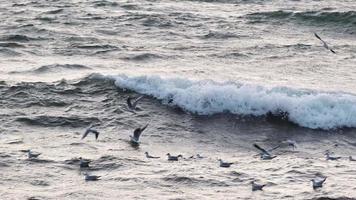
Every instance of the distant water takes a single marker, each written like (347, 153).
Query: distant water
(218, 75)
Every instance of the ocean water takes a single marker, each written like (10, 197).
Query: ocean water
(216, 75)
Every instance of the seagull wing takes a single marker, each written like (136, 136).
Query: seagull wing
(134, 104)
(332, 50)
(137, 133)
(96, 133)
(274, 148)
(261, 149)
(86, 133)
(129, 104)
(317, 36)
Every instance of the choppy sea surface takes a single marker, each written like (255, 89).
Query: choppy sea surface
(216, 75)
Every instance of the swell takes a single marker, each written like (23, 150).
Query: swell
(347, 18)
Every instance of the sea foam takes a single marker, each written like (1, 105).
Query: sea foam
(311, 109)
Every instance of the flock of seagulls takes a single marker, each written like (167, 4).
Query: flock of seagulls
(134, 140)
(264, 154)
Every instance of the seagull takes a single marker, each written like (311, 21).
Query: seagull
(173, 158)
(32, 154)
(199, 156)
(329, 157)
(149, 156)
(91, 177)
(132, 103)
(136, 135)
(256, 186)
(90, 129)
(224, 164)
(324, 43)
(291, 143)
(351, 158)
(265, 155)
(318, 183)
(84, 163)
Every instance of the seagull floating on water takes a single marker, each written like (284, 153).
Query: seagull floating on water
(149, 156)
(318, 183)
(91, 129)
(132, 102)
(84, 163)
(265, 154)
(224, 164)
(91, 177)
(134, 139)
(173, 158)
(32, 154)
(256, 186)
(351, 158)
(330, 157)
(324, 43)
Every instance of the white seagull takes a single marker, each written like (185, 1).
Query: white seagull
(91, 129)
(132, 102)
(224, 164)
(149, 156)
(134, 139)
(265, 154)
(256, 186)
(318, 183)
(330, 157)
(324, 43)
(32, 154)
(173, 158)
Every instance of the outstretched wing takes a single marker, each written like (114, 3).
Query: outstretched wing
(86, 133)
(274, 148)
(317, 36)
(332, 51)
(137, 133)
(129, 104)
(134, 104)
(261, 149)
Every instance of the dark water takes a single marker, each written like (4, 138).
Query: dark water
(217, 77)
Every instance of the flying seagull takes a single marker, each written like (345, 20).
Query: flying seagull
(324, 43)
(91, 129)
(84, 163)
(330, 157)
(173, 158)
(132, 102)
(32, 154)
(134, 139)
(265, 154)
(318, 183)
(256, 186)
(149, 156)
(91, 177)
(224, 164)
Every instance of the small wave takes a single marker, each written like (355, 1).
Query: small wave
(311, 109)
(220, 35)
(11, 44)
(320, 17)
(57, 68)
(8, 52)
(19, 38)
(53, 121)
(142, 57)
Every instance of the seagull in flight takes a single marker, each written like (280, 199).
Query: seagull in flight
(256, 186)
(149, 156)
(265, 154)
(318, 182)
(324, 43)
(132, 102)
(136, 135)
(224, 164)
(290, 143)
(91, 129)
(32, 154)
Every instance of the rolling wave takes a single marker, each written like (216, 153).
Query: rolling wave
(311, 109)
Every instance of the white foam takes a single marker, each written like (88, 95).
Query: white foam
(306, 108)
